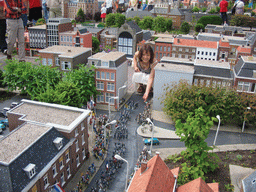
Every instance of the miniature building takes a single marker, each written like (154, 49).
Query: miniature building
(163, 47)
(70, 8)
(108, 37)
(194, 49)
(66, 58)
(37, 38)
(75, 39)
(170, 70)
(140, 14)
(111, 73)
(95, 31)
(154, 175)
(55, 26)
(213, 73)
(245, 75)
(177, 16)
(48, 144)
(249, 182)
(129, 34)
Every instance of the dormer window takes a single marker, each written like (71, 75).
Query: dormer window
(104, 64)
(30, 170)
(58, 142)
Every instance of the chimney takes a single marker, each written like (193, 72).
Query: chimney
(157, 153)
(69, 50)
(143, 166)
(178, 40)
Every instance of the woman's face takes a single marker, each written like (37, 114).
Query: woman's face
(145, 57)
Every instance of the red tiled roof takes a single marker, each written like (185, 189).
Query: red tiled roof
(157, 177)
(223, 44)
(195, 43)
(244, 49)
(198, 185)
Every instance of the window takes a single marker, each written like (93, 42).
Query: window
(82, 126)
(57, 61)
(169, 49)
(54, 170)
(76, 132)
(107, 75)
(44, 61)
(180, 49)
(164, 48)
(46, 183)
(168, 55)
(77, 146)
(83, 139)
(210, 53)
(62, 179)
(68, 171)
(202, 53)
(156, 55)
(67, 156)
(61, 38)
(49, 62)
(174, 48)
(61, 162)
(100, 97)
(66, 65)
(65, 39)
(243, 86)
(108, 95)
(195, 81)
(104, 64)
(186, 49)
(223, 83)
(102, 75)
(112, 76)
(83, 153)
(214, 53)
(198, 52)
(201, 82)
(173, 55)
(97, 75)
(193, 50)
(208, 83)
(82, 40)
(156, 48)
(110, 87)
(30, 170)
(100, 85)
(206, 53)
(77, 161)
(214, 83)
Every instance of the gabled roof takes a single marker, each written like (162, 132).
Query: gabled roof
(164, 10)
(39, 151)
(157, 177)
(134, 25)
(243, 49)
(198, 185)
(195, 43)
(146, 35)
(245, 67)
(140, 14)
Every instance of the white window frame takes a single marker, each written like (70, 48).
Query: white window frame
(65, 65)
(62, 178)
(44, 62)
(46, 181)
(102, 75)
(61, 164)
(97, 74)
(57, 61)
(77, 145)
(112, 76)
(104, 63)
(83, 153)
(54, 171)
(76, 132)
(68, 172)
(67, 157)
(49, 62)
(100, 98)
(244, 85)
(30, 169)
(110, 86)
(83, 140)
(77, 160)
(99, 85)
(107, 97)
(82, 126)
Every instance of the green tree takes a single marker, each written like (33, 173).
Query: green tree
(80, 13)
(146, 23)
(40, 21)
(95, 44)
(204, 9)
(217, 9)
(185, 27)
(119, 19)
(212, 11)
(198, 27)
(168, 24)
(110, 20)
(136, 19)
(1, 79)
(193, 133)
(195, 9)
(159, 24)
(210, 19)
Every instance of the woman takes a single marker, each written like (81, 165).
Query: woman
(145, 62)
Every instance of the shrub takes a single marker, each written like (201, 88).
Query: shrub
(185, 28)
(195, 9)
(79, 19)
(168, 24)
(204, 9)
(97, 16)
(159, 24)
(212, 11)
(88, 16)
(110, 19)
(210, 19)
(136, 19)
(73, 21)
(243, 21)
(146, 23)
(40, 21)
(101, 25)
(252, 13)
(198, 27)
(119, 19)
(80, 16)
(2, 84)
(95, 44)
(217, 9)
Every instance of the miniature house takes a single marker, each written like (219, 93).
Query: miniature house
(47, 143)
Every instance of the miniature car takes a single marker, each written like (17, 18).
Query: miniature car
(148, 141)
(5, 122)
(2, 127)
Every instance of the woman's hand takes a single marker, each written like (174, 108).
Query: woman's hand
(136, 69)
(145, 97)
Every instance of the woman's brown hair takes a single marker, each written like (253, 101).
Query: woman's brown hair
(148, 49)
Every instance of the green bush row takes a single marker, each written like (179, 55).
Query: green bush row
(181, 99)
(47, 84)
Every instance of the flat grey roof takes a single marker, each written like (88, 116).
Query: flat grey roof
(210, 63)
(19, 140)
(174, 67)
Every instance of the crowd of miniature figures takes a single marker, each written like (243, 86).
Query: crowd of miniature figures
(141, 117)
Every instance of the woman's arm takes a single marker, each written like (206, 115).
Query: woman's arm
(135, 64)
(150, 81)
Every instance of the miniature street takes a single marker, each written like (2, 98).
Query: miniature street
(134, 144)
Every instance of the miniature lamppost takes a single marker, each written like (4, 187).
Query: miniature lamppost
(120, 158)
(218, 117)
(151, 144)
(109, 101)
(105, 126)
(248, 108)
(124, 86)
